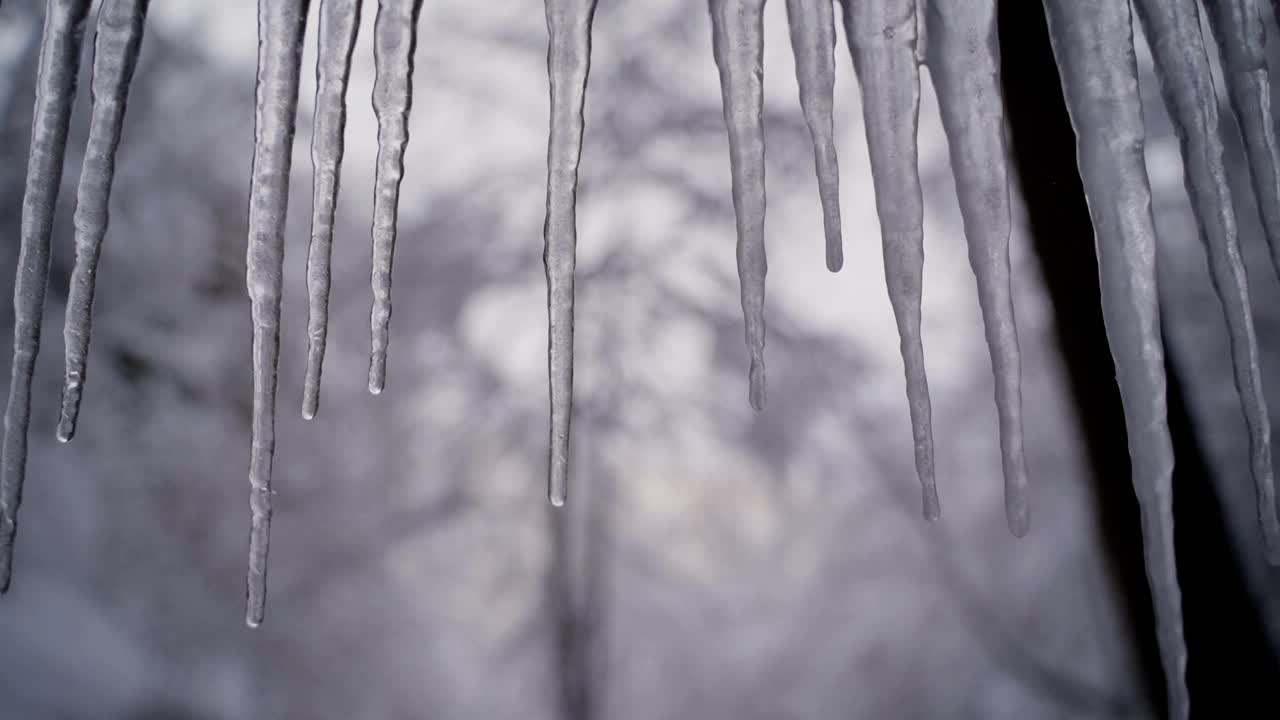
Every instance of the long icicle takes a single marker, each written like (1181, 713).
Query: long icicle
(1242, 45)
(55, 91)
(813, 39)
(117, 41)
(281, 27)
(1093, 43)
(339, 21)
(568, 65)
(964, 63)
(882, 37)
(1182, 65)
(395, 37)
(737, 34)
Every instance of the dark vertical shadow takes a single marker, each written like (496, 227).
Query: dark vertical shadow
(1231, 666)
(1043, 147)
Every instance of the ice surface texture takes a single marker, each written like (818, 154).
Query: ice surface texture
(1094, 45)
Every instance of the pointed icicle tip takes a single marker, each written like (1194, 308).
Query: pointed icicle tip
(882, 41)
(116, 46)
(339, 21)
(568, 68)
(738, 45)
(964, 62)
(813, 40)
(1093, 45)
(281, 27)
(1018, 517)
(395, 38)
(931, 508)
(56, 73)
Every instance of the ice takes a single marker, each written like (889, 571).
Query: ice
(964, 64)
(55, 92)
(339, 21)
(738, 44)
(1093, 44)
(568, 65)
(882, 39)
(395, 37)
(813, 39)
(281, 27)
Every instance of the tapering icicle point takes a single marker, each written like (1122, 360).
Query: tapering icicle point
(1238, 27)
(115, 55)
(55, 91)
(281, 27)
(1182, 65)
(964, 63)
(882, 40)
(1093, 43)
(568, 67)
(737, 40)
(813, 39)
(395, 37)
(338, 24)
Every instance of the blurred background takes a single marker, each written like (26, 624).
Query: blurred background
(712, 562)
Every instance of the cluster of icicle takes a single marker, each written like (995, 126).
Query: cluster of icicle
(1094, 45)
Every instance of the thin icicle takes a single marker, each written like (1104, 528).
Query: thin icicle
(1242, 44)
(395, 36)
(882, 40)
(55, 91)
(338, 24)
(115, 54)
(1182, 64)
(738, 44)
(964, 63)
(813, 39)
(1093, 43)
(281, 27)
(568, 65)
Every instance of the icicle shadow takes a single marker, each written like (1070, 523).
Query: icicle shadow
(1093, 44)
(55, 92)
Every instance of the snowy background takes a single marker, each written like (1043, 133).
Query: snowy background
(713, 563)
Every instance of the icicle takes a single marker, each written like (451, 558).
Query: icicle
(339, 21)
(1242, 44)
(964, 63)
(55, 91)
(116, 43)
(568, 64)
(1093, 43)
(882, 40)
(738, 44)
(395, 36)
(813, 39)
(281, 26)
(1182, 64)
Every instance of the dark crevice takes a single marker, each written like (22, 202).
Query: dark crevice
(1230, 665)
(1044, 158)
